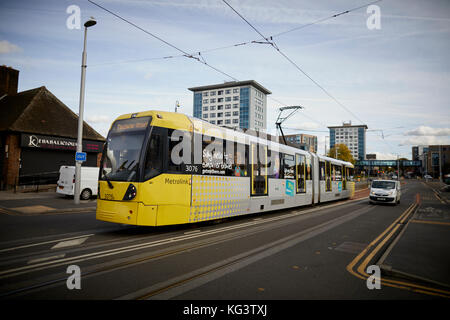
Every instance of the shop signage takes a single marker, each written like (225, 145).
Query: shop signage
(58, 143)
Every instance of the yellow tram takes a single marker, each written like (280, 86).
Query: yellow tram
(163, 168)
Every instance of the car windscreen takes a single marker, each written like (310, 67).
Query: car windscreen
(123, 148)
(383, 184)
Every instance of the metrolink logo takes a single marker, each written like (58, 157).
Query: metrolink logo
(177, 181)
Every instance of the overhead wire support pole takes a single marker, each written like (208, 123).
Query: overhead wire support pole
(280, 119)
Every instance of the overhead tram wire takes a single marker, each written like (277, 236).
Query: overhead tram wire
(272, 43)
(201, 59)
(324, 19)
(243, 43)
(135, 60)
(185, 54)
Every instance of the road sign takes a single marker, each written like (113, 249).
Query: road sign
(80, 156)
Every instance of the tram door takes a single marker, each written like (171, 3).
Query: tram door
(344, 178)
(258, 164)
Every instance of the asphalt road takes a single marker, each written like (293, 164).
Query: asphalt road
(284, 255)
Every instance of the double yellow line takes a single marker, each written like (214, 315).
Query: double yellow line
(366, 256)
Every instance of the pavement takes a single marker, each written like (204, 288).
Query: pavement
(50, 202)
(42, 202)
(420, 254)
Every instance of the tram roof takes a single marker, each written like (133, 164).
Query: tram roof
(182, 121)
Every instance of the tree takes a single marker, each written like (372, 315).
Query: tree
(343, 153)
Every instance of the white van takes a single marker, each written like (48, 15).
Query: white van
(88, 185)
(386, 191)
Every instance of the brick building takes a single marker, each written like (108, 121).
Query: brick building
(38, 134)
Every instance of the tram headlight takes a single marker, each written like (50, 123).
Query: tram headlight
(131, 192)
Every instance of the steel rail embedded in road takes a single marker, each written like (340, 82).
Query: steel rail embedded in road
(258, 225)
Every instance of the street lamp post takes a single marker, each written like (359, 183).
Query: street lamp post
(76, 195)
(440, 165)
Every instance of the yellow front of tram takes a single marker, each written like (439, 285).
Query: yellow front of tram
(135, 185)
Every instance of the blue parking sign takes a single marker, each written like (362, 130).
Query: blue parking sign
(80, 156)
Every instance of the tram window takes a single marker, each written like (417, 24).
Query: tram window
(274, 164)
(308, 169)
(301, 174)
(344, 178)
(259, 169)
(322, 170)
(328, 175)
(337, 173)
(350, 174)
(229, 157)
(212, 151)
(179, 150)
(240, 160)
(289, 166)
(154, 157)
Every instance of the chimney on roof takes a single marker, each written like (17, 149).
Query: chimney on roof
(9, 80)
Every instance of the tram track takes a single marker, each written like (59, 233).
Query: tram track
(232, 232)
(83, 257)
(162, 290)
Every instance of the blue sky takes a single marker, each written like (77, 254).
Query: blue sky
(395, 79)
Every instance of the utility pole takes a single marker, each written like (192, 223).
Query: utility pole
(440, 164)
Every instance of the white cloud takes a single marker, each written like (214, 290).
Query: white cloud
(8, 47)
(98, 119)
(425, 140)
(385, 156)
(303, 126)
(428, 131)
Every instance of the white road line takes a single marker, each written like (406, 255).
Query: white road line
(106, 253)
(59, 256)
(193, 231)
(45, 242)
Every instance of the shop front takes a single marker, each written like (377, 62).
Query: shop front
(42, 156)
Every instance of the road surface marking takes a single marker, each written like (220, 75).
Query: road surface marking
(69, 243)
(46, 258)
(431, 222)
(193, 231)
(42, 243)
(33, 209)
(105, 253)
(361, 271)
